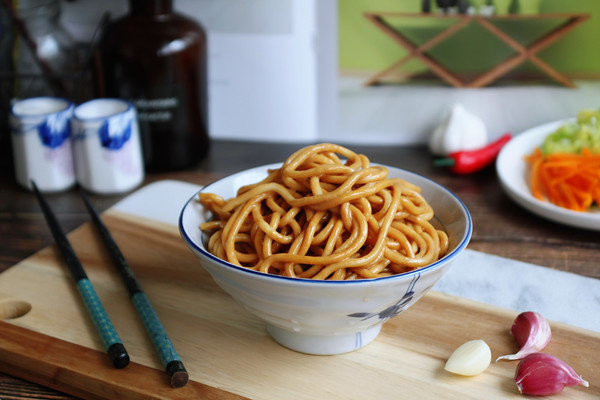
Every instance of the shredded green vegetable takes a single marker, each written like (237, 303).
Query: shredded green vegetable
(572, 137)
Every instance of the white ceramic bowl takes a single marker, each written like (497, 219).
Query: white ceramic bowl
(325, 317)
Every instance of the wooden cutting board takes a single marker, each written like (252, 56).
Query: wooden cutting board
(227, 350)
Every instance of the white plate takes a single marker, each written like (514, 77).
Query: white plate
(514, 178)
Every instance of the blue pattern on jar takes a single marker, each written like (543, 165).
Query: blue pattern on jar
(55, 129)
(116, 131)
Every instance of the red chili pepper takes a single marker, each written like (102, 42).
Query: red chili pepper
(469, 161)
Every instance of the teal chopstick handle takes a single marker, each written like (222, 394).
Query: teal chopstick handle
(163, 345)
(109, 336)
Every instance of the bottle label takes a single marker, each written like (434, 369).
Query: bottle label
(157, 110)
(162, 107)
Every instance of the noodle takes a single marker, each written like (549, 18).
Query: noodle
(325, 214)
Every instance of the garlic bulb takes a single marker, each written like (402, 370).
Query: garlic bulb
(469, 359)
(532, 333)
(541, 374)
(461, 130)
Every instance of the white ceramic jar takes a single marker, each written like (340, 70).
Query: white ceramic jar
(41, 140)
(106, 146)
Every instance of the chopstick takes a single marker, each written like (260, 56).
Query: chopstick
(169, 358)
(110, 339)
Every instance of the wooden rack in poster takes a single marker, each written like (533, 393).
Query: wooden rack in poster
(460, 21)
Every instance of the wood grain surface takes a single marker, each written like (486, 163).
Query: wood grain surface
(227, 350)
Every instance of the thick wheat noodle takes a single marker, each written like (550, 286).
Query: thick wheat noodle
(320, 217)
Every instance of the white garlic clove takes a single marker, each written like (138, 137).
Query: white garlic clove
(531, 332)
(541, 374)
(469, 359)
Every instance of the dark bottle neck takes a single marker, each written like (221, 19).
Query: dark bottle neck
(151, 7)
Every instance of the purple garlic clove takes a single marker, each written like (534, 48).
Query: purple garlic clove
(532, 333)
(541, 374)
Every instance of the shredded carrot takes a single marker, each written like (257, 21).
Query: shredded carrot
(568, 180)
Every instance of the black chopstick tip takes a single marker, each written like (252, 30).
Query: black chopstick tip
(118, 355)
(177, 373)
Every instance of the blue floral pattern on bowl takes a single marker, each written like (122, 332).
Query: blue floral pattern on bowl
(396, 308)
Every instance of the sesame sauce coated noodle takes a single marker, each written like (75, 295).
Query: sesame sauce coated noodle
(326, 214)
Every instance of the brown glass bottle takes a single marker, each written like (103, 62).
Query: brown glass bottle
(158, 59)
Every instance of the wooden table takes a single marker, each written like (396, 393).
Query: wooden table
(500, 226)
(522, 54)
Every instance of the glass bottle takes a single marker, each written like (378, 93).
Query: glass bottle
(45, 56)
(157, 59)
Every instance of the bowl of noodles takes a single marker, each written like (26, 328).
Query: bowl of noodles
(325, 247)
